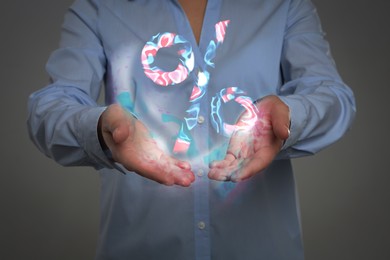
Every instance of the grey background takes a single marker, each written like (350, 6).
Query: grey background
(51, 212)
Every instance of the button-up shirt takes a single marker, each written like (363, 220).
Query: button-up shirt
(189, 96)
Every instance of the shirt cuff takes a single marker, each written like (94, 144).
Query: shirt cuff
(90, 141)
(298, 119)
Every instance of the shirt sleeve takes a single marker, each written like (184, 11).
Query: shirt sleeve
(322, 107)
(63, 116)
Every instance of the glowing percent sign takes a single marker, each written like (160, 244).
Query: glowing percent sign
(181, 73)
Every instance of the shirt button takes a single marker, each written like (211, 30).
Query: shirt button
(201, 225)
(200, 119)
(200, 173)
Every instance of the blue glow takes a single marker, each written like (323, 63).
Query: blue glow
(210, 54)
(193, 113)
(216, 119)
(126, 101)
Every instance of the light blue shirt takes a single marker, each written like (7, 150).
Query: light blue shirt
(189, 96)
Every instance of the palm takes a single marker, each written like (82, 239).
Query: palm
(251, 150)
(131, 145)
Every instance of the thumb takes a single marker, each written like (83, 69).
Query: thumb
(116, 123)
(280, 118)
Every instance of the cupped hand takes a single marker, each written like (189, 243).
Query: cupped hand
(253, 148)
(131, 145)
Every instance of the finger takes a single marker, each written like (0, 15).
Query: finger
(183, 165)
(225, 173)
(280, 118)
(229, 158)
(180, 171)
(249, 168)
(184, 178)
(116, 122)
(219, 174)
(121, 132)
(166, 173)
(177, 176)
(179, 164)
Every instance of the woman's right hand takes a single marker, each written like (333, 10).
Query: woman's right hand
(132, 146)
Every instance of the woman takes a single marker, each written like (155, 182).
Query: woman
(214, 97)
